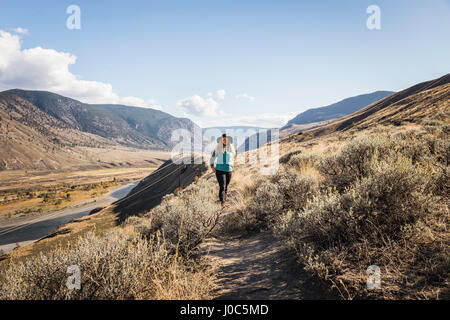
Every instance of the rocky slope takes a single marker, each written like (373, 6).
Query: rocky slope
(41, 129)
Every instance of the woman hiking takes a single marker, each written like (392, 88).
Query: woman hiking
(225, 154)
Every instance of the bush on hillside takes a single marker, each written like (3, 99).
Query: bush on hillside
(354, 160)
(284, 191)
(299, 161)
(374, 207)
(119, 265)
(384, 201)
(187, 219)
(286, 157)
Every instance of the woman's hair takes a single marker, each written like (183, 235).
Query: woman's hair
(229, 145)
(229, 139)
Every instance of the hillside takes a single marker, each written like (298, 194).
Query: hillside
(365, 191)
(337, 110)
(132, 126)
(148, 193)
(43, 130)
(407, 106)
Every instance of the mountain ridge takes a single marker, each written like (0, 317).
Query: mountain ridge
(127, 125)
(43, 130)
(408, 105)
(337, 110)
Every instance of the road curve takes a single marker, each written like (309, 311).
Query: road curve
(24, 232)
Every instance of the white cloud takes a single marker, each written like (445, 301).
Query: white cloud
(21, 31)
(200, 107)
(47, 69)
(221, 94)
(245, 96)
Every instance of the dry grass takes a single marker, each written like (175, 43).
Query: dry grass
(149, 257)
(119, 265)
(382, 199)
(342, 200)
(348, 200)
(187, 219)
(31, 203)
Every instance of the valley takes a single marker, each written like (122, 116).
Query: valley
(368, 188)
(255, 157)
(37, 192)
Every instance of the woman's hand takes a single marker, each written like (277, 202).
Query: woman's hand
(213, 169)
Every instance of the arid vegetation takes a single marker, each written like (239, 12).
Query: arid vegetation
(346, 196)
(382, 199)
(119, 265)
(147, 257)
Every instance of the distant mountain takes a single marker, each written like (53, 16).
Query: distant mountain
(40, 129)
(242, 135)
(408, 106)
(132, 126)
(337, 110)
(244, 128)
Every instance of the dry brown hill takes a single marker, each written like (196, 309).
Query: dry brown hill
(43, 130)
(165, 180)
(407, 106)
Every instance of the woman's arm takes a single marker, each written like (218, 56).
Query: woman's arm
(213, 159)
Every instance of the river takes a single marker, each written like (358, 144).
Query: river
(25, 232)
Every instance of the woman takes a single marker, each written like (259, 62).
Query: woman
(225, 154)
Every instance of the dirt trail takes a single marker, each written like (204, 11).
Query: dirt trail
(257, 267)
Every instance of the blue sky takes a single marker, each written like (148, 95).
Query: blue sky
(223, 62)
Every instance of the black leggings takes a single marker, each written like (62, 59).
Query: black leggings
(224, 179)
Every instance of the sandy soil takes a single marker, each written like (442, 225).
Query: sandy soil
(258, 267)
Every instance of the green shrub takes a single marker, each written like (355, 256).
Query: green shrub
(267, 202)
(375, 207)
(386, 217)
(440, 184)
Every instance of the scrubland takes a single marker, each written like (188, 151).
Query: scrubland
(146, 257)
(340, 203)
(378, 198)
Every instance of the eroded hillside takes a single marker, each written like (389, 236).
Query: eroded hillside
(42, 130)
